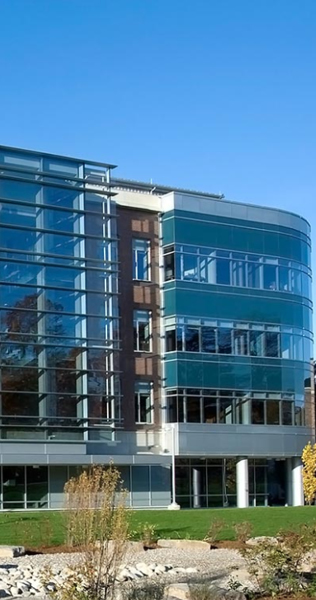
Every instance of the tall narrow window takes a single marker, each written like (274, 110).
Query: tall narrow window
(141, 260)
(169, 263)
(143, 402)
(142, 330)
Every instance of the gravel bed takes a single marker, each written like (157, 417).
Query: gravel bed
(206, 561)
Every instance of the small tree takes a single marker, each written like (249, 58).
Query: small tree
(97, 524)
(309, 472)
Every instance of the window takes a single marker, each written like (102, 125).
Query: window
(272, 344)
(256, 343)
(257, 412)
(241, 342)
(193, 407)
(239, 270)
(208, 335)
(169, 263)
(254, 269)
(192, 343)
(287, 412)
(224, 340)
(142, 330)
(273, 412)
(141, 260)
(270, 277)
(171, 340)
(143, 402)
(190, 267)
(222, 271)
(210, 409)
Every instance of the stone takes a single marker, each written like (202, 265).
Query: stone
(160, 569)
(14, 591)
(261, 539)
(145, 569)
(191, 570)
(181, 591)
(4, 593)
(218, 593)
(11, 551)
(135, 546)
(135, 572)
(185, 544)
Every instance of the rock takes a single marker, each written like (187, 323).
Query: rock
(14, 591)
(135, 546)
(145, 569)
(181, 591)
(191, 570)
(160, 569)
(180, 570)
(218, 593)
(261, 539)
(134, 571)
(11, 551)
(4, 593)
(185, 544)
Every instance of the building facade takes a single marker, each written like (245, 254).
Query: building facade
(167, 330)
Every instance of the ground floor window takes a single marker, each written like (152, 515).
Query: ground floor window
(211, 482)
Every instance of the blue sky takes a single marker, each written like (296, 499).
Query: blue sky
(214, 95)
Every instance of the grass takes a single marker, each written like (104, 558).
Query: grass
(35, 529)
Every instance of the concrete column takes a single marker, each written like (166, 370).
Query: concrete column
(297, 482)
(242, 482)
(288, 475)
(196, 482)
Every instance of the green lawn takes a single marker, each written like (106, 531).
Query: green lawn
(35, 529)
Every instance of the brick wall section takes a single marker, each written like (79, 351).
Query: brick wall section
(134, 366)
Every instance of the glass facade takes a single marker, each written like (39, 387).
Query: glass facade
(238, 320)
(58, 298)
(212, 483)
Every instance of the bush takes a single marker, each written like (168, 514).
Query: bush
(216, 526)
(277, 567)
(243, 531)
(97, 524)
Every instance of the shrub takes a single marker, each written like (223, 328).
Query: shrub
(144, 591)
(243, 531)
(97, 524)
(216, 526)
(148, 534)
(277, 567)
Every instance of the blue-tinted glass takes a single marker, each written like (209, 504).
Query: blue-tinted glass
(208, 335)
(272, 344)
(296, 283)
(26, 273)
(239, 273)
(61, 244)
(224, 340)
(65, 167)
(286, 346)
(16, 190)
(61, 220)
(222, 271)
(269, 277)
(16, 239)
(256, 343)
(16, 214)
(62, 277)
(254, 270)
(192, 343)
(61, 197)
(284, 279)
(190, 267)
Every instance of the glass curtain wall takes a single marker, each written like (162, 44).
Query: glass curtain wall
(58, 303)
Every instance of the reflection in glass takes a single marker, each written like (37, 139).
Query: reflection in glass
(222, 271)
(224, 340)
(192, 343)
